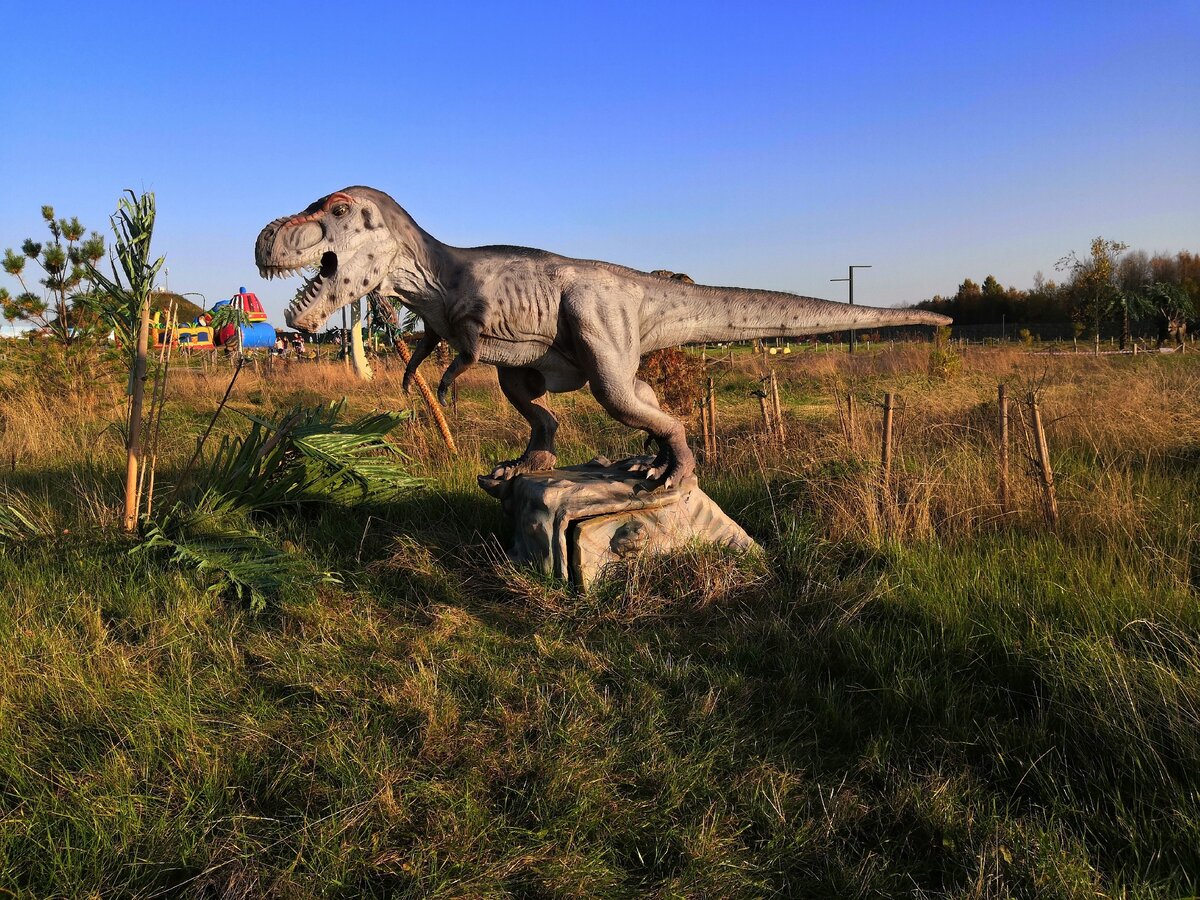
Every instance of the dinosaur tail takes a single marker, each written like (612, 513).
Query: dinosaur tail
(691, 313)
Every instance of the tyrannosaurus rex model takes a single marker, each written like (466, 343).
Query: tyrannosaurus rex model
(547, 322)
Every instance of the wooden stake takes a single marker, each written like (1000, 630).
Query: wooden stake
(712, 416)
(885, 455)
(779, 429)
(837, 402)
(850, 429)
(1002, 399)
(766, 414)
(1044, 467)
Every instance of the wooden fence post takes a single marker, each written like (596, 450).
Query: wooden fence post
(1003, 403)
(712, 416)
(837, 404)
(885, 456)
(704, 427)
(850, 405)
(766, 413)
(779, 429)
(1044, 467)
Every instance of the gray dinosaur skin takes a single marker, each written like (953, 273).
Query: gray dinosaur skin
(547, 322)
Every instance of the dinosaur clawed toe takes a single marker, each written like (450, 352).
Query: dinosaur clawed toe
(534, 461)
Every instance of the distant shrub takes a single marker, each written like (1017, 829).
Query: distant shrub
(943, 362)
(676, 377)
(1026, 337)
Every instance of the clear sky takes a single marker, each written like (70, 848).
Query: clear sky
(752, 144)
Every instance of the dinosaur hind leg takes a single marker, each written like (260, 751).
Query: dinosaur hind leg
(632, 402)
(524, 389)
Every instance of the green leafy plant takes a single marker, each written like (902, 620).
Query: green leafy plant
(19, 522)
(119, 299)
(307, 457)
(1173, 306)
(123, 301)
(229, 315)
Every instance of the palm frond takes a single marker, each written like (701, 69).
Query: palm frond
(306, 457)
(239, 561)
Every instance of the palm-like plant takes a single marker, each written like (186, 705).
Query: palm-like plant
(1173, 306)
(124, 302)
(305, 458)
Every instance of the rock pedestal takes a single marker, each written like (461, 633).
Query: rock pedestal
(574, 521)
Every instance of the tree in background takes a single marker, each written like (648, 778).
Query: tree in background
(66, 261)
(1094, 284)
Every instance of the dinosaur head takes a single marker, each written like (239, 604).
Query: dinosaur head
(346, 243)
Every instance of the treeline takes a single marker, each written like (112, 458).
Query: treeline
(1112, 290)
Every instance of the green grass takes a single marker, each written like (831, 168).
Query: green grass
(1005, 712)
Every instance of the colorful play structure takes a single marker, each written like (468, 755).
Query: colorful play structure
(200, 335)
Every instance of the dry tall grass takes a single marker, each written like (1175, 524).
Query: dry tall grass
(1110, 410)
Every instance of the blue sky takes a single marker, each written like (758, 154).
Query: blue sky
(761, 145)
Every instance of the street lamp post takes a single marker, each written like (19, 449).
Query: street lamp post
(850, 278)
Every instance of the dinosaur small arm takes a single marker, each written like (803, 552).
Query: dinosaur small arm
(548, 323)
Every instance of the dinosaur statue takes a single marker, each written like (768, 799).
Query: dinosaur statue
(547, 322)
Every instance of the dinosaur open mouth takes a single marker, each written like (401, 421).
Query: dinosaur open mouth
(312, 285)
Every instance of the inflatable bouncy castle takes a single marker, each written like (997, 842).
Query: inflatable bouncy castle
(258, 335)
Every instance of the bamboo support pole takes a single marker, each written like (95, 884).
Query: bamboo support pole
(157, 417)
(704, 428)
(134, 444)
(1044, 467)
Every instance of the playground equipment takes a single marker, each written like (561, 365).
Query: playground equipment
(200, 335)
(258, 335)
(195, 336)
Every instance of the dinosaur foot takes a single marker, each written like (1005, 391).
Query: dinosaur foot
(666, 474)
(536, 461)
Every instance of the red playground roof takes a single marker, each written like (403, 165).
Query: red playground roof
(250, 305)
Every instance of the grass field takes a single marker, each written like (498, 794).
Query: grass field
(929, 699)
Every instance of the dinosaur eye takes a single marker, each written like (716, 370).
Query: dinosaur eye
(341, 209)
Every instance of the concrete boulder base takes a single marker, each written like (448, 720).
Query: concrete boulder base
(574, 521)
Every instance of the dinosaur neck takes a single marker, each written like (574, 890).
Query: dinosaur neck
(420, 275)
(675, 314)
